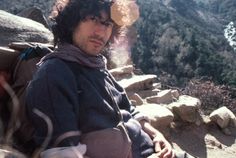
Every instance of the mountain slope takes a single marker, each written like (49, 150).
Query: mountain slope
(182, 39)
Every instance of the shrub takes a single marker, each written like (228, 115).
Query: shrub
(212, 96)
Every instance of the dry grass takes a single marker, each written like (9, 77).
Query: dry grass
(212, 96)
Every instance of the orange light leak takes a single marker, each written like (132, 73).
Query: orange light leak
(124, 12)
(58, 6)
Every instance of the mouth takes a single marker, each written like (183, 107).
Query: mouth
(96, 42)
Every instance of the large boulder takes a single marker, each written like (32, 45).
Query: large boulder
(159, 116)
(223, 117)
(15, 28)
(186, 108)
(137, 83)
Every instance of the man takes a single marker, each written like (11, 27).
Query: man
(74, 89)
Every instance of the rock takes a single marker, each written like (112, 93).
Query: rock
(137, 83)
(122, 72)
(35, 14)
(175, 94)
(158, 115)
(163, 97)
(212, 142)
(133, 102)
(157, 85)
(223, 117)
(138, 100)
(186, 108)
(15, 28)
(206, 119)
(148, 93)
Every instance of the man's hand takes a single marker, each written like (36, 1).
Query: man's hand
(163, 148)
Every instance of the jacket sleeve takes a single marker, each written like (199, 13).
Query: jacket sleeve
(125, 104)
(136, 114)
(53, 92)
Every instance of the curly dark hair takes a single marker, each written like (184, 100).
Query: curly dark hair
(74, 11)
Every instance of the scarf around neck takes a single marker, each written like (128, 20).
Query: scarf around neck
(72, 53)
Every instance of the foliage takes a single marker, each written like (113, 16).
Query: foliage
(212, 96)
(184, 41)
(225, 8)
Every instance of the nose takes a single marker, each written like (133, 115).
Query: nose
(100, 30)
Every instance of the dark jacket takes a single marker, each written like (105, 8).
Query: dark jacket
(78, 98)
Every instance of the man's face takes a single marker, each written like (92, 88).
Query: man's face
(92, 34)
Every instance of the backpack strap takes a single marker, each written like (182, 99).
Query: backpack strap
(22, 70)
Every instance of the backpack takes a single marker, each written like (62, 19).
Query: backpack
(17, 67)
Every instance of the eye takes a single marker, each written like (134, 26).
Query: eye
(93, 18)
(97, 20)
(107, 23)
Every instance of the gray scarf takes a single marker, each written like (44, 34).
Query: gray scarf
(72, 53)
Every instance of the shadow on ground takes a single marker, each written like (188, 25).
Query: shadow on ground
(203, 140)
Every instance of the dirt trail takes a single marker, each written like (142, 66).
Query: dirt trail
(205, 141)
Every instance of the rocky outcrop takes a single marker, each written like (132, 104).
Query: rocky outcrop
(15, 28)
(163, 107)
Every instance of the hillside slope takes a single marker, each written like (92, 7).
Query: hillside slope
(182, 39)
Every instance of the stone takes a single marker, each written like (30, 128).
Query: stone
(163, 97)
(223, 117)
(186, 108)
(157, 85)
(158, 115)
(17, 29)
(175, 94)
(138, 100)
(212, 142)
(148, 93)
(122, 72)
(133, 102)
(136, 83)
